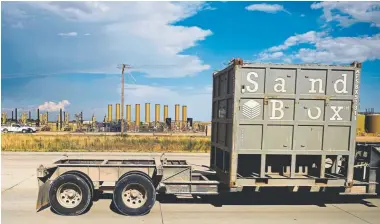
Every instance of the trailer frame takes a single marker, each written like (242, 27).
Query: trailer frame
(179, 177)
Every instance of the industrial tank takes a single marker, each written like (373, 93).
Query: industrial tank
(372, 123)
(360, 124)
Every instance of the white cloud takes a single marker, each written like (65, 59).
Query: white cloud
(52, 106)
(209, 7)
(17, 25)
(12, 14)
(87, 34)
(264, 56)
(70, 34)
(308, 37)
(268, 8)
(12, 11)
(208, 89)
(137, 33)
(325, 49)
(348, 13)
(302, 15)
(342, 50)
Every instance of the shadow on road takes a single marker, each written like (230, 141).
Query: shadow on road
(267, 198)
(274, 197)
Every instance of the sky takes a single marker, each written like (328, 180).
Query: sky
(66, 54)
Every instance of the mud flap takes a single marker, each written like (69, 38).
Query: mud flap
(43, 196)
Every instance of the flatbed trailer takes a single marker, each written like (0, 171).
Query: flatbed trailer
(288, 126)
(70, 185)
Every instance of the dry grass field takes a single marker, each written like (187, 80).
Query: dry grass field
(92, 143)
(112, 143)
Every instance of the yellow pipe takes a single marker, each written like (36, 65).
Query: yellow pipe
(137, 115)
(109, 112)
(176, 113)
(118, 111)
(128, 114)
(147, 113)
(157, 113)
(184, 115)
(166, 108)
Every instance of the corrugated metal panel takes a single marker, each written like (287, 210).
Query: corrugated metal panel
(284, 112)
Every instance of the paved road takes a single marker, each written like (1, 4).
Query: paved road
(19, 192)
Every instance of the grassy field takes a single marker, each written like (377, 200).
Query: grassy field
(112, 143)
(92, 143)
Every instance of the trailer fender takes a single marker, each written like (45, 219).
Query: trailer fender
(136, 172)
(85, 177)
(43, 196)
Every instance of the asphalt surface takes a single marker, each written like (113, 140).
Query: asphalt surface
(19, 193)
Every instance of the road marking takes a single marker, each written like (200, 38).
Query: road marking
(351, 214)
(162, 216)
(17, 184)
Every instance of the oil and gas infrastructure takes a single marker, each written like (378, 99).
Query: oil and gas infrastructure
(112, 120)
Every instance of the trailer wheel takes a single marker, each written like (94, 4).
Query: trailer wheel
(134, 195)
(70, 195)
(85, 178)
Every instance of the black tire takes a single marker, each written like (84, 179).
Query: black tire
(85, 178)
(134, 179)
(23, 131)
(83, 205)
(5, 130)
(137, 172)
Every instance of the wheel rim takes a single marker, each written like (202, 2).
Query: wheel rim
(134, 196)
(69, 195)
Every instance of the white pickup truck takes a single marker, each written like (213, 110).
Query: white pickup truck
(18, 128)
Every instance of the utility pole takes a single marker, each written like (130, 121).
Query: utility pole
(122, 99)
(123, 68)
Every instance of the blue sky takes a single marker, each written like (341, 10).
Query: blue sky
(65, 54)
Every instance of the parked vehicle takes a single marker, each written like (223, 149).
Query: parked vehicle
(18, 128)
(291, 126)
